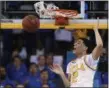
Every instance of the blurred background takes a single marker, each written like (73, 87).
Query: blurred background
(44, 47)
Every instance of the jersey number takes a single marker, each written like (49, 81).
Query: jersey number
(74, 77)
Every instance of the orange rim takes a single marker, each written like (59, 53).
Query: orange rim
(67, 12)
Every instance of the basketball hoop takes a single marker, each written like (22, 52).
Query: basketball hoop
(63, 13)
(53, 11)
(61, 16)
(60, 12)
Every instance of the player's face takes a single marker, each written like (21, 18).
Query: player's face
(79, 47)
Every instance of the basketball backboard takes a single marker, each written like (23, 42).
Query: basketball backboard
(45, 9)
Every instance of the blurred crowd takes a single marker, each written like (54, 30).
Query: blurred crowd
(18, 75)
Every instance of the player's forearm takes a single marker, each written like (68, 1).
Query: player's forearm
(65, 80)
(99, 42)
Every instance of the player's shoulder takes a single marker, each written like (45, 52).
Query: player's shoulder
(87, 56)
(72, 62)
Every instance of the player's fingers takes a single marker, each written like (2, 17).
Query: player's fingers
(97, 22)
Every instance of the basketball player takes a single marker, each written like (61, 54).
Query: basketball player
(81, 70)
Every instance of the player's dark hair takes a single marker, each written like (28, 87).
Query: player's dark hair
(86, 43)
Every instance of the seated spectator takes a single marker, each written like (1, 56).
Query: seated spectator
(32, 79)
(41, 62)
(101, 76)
(49, 62)
(5, 82)
(22, 53)
(44, 79)
(17, 69)
(15, 53)
(33, 70)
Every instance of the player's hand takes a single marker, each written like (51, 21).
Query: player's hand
(57, 69)
(97, 24)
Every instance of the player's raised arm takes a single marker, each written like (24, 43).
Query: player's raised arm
(99, 44)
(58, 70)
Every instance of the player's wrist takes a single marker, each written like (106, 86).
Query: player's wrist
(61, 73)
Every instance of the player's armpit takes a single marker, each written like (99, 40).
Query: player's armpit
(97, 52)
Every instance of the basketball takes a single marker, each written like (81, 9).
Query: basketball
(30, 23)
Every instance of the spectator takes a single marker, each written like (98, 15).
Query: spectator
(17, 69)
(15, 53)
(49, 62)
(21, 52)
(33, 70)
(4, 80)
(44, 79)
(101, 76)
(33, 78)
(41, 62)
